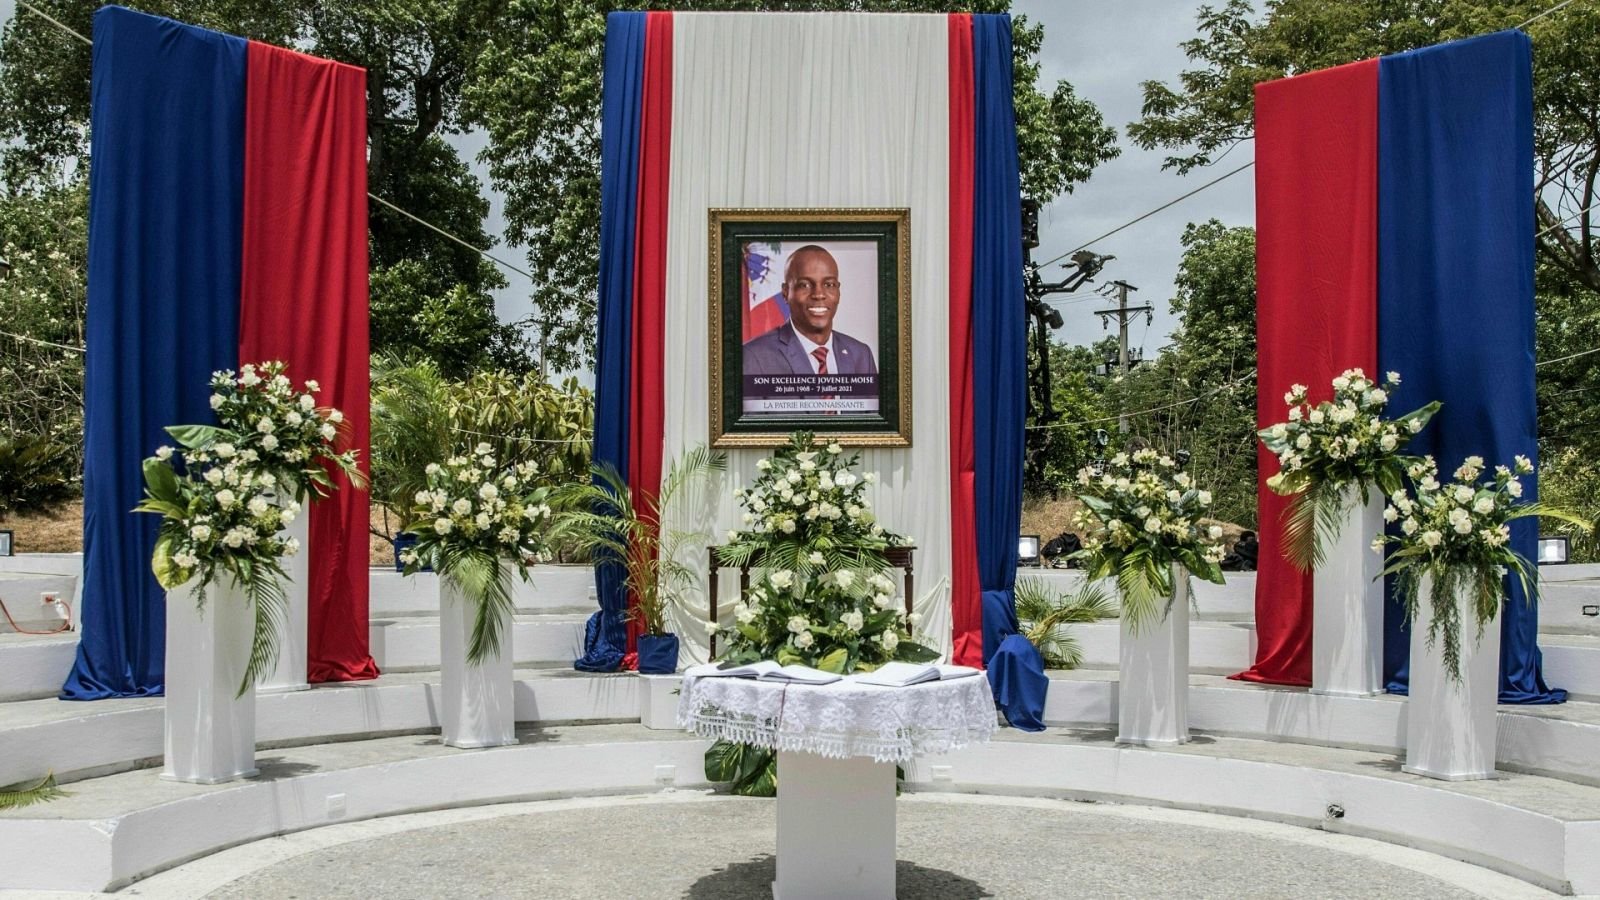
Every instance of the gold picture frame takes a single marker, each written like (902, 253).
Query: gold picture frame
(850, 405)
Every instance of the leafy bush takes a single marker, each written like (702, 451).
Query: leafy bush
(35, 473)
(1570, 480)
(419, 417)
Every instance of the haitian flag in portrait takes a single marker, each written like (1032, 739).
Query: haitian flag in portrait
(227, 224)
(1395, 233)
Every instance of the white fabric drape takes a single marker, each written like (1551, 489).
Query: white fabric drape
(806, 111)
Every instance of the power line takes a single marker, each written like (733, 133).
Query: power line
(1567, 357)
(1216, 390)
(34, 340)
(418, 219)
(1543, 14)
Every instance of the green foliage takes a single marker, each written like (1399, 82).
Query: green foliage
(1571, 481)
(752, 770)
(624, 528)
(1053, 454)
(419, 416)
(536, 91)
(36, 473)
(1210, 109)
(44, 236)
(1046, 617)
(19, 795)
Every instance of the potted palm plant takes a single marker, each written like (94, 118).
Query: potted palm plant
(1337, 460)
(623, 527)
(1142, 519)
(1450, 560)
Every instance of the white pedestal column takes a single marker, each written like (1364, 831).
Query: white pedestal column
(1347, 604)
(477, 708)
(836, 830)
(658, 701)
(290, 672)
(210, 732)
(1450, 725)
(1153, 675)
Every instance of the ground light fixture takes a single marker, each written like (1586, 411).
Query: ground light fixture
(1554, 551)
(1028, 550)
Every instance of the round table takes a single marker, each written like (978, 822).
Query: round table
(838, 745)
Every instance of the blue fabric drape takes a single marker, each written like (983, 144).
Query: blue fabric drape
(621, 100)
(999, 335)
(165, 239)
(1455, 285)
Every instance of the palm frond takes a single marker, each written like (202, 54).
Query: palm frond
(486, 582)
(19, 795)
(1144, 585)
(1046, 617)
(1312, 522)
(270, 607)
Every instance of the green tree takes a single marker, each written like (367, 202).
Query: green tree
(1210, 108)
(417, 53)
(537, 94)
(44, 235)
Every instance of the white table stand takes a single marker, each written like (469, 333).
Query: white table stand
(838, 746)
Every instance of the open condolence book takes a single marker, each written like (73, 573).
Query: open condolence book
(904, 674)
(765, 670)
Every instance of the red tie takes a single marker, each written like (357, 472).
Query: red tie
(821, 354)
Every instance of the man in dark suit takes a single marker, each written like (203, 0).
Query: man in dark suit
(807, 343)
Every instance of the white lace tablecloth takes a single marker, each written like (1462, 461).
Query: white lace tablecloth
(842, 719)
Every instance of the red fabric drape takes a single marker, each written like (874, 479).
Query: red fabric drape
(304, 300)
(650, 278)
(966, 587)
(1316, 299)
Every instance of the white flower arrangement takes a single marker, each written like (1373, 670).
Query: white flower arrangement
(474, 515)
(1140, 515)
(842, 621)
(278, 428)
(1459, 535)
(1325, 448)
(809, 512)
(219, 519)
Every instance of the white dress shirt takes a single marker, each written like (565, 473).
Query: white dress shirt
(808, 345)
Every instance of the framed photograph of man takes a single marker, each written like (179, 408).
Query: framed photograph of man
(810, 325)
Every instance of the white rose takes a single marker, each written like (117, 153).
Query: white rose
(798, 624)
(226, 498)
(186, 560)
(1390, 514)
(1152, 525)
(1463, 494)
(163, 452)
(870, 478)
(213, 476)
(313, 385)
(1414, 426)
(1317, 417)
(788, 526)
(1303, 441)
(307, 402)
(269, 442)
(1393, 377)
(804, 640)
(793, 477)
(1204, 498)
(461, 507)
(327, 431)
(264, 425)
(509, 535)
(483, 520)
(1409, 526)
(442, 525)
(1341, 383)
(1514, 487)
(853, 620)
(835, 448)
(890, 641)
(1214, 532)
(1389, 442)
(764, 464)
(807, 466)
(225, 450)
(815, 558)
(781, 579)
(200, 532)
(488, 491)
(216, 401)
(258, 506)
(291, 547)
(1483, 505)
(1432, 538)
(844, 577)
(1295, 414)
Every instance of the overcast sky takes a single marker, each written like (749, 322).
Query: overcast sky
(1105, 49)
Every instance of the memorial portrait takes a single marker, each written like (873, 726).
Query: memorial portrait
(810, 326)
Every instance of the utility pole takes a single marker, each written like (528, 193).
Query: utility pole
(1122, 312)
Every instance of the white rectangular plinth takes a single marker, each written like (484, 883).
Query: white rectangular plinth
(1450, 725)
(210, 728)
(1347, 604)
(1153, 675)
(835, 828)
(477, 707)
(658, 701)
(290, 672)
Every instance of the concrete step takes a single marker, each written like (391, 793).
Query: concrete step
(411, 643)
(1560, 741)
(1216, 647)
(113, 830)
(25, 594)
(34, 666)
(1538, 829)
(1235, 600)
(77, 740)
(551, 589)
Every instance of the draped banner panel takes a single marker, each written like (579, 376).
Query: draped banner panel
(1455, 299)
(1316, 300)
(1423, 162)
(227, 224)
(866, 111)
(605, 640)
(167, 165)
(304, 301)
